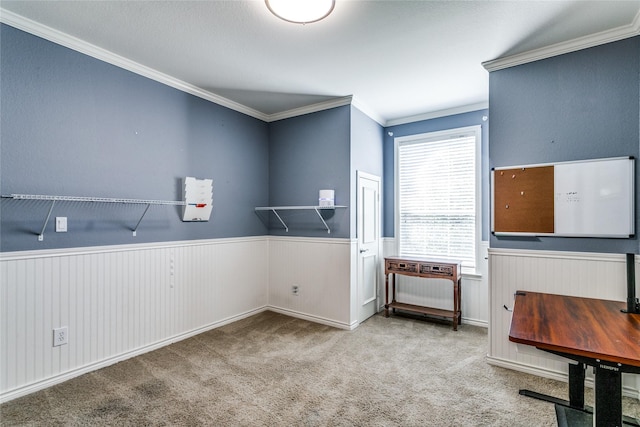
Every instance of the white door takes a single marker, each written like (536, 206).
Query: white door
(368, 218)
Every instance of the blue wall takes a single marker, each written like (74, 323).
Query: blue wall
(474, 118)
(581, 105)
(318, 151)
(306, 154)
(74, 125)
(366, 154)
(366, 144)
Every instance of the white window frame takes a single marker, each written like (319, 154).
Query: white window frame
(438, 136)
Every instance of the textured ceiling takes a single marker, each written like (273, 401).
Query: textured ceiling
(397, 59)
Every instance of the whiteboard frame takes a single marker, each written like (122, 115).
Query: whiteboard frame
(527, 234)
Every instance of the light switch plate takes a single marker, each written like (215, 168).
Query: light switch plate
(61, 224)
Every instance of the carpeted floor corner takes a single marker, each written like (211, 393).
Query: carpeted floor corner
(274, 370)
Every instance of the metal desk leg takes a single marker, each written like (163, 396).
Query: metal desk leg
(608, 399)
(576, 385)
(576, 390)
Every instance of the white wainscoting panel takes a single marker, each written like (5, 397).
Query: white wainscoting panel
(438, 293)
(118, 302)
(322, 270)
(591, 275)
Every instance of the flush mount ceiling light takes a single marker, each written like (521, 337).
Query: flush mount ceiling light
(301, 11)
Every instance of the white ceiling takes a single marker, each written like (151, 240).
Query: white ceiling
(398, 59)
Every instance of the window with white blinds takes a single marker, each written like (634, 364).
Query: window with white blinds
(437, 198)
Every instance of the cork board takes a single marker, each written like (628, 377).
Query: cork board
(523, 200)
(586, 198)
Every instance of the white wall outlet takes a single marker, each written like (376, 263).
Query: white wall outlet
(60, 336)
(295, 289)
(61, 224)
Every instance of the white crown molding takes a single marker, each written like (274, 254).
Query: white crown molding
(569, 46)
(439, 113)
(74, 43)
(320, 106)
(368, 112)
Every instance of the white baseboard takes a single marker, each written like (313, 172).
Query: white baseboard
(552, 374)
(528, 369)
(73, 373)
(475, 322)
(315, 319)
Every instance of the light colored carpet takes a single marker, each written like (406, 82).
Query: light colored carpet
(274, 370)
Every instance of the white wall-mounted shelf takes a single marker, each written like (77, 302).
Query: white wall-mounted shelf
(55, 199)
(317, 209)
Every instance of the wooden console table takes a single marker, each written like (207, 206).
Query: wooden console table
(427, 268)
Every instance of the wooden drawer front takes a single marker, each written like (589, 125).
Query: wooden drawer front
(409, 267)
(437, 269)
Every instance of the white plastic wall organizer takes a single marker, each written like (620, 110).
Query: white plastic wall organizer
(198, 196)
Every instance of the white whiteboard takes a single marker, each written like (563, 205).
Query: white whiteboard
(594, 198)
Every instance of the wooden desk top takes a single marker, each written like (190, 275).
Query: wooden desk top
(586, 327)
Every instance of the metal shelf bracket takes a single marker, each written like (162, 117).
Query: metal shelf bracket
(55, 199)
(41, 235)
(317, 209)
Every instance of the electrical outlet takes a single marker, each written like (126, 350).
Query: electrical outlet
(295, 289)
(60, 336)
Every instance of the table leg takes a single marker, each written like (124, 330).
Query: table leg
(386, 295)
(607, 411)
(455, 305)
(394, 278)
(576, 389)
(608, 398)
(459, 301)
(393, 287)
(457, 311)
(576, 385)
